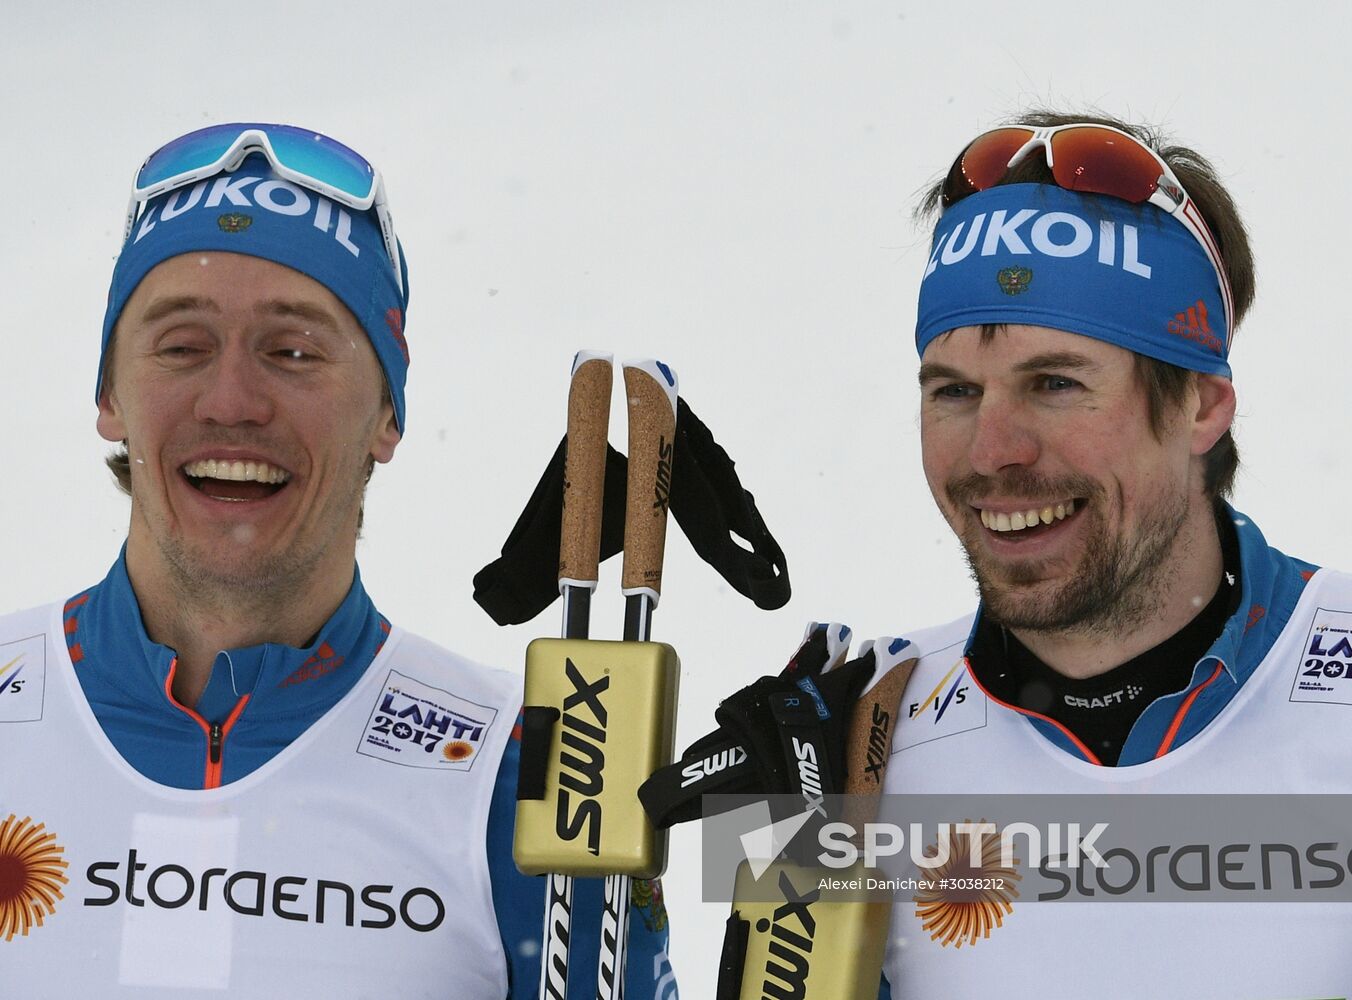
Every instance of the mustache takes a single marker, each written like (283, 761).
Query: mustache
(1019, 482)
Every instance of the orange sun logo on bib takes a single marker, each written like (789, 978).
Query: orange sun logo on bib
(31, 875)
(963, 902)
(457, 750)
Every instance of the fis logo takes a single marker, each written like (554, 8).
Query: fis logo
(790, 962)
(11, 676)
(662, 488)
(271, 195)
(23, 678)
(954, 694)
(950, 705)
(582, 760)
(1052, 234)
(709, 766)
(879, 743)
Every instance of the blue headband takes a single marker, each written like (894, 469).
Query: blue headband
(252, 211)
(1037, 254)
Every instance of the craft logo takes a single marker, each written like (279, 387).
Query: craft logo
(23, 677)
(1129, 693)
(32, 872)
(1014, 280)
(582, 758)
(418, 725)
(791, 935)
(1325, 670)
(234, 222)
(963, 902)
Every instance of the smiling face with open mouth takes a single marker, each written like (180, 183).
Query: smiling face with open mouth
(1039, 451)
(250, 400)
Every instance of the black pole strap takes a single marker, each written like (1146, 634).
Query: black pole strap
(707, 500)
(537, 732)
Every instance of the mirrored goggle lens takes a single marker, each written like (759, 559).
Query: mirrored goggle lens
(310, 154)
(1102, 162)
(985, 161)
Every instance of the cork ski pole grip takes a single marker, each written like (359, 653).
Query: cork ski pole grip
(873, 725)
(584, 470)
(650, 388)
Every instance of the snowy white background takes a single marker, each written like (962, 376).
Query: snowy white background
(724, 185)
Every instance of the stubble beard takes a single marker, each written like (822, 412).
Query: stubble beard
(1118, 584)
(259, 585)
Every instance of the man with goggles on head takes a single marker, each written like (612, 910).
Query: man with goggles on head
(228, 770)
(1135, 633)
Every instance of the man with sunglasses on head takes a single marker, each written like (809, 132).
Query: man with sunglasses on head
(1135, 633)
(221, 767)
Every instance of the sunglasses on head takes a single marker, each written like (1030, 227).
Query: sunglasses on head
(301, 156)
(1094, 159)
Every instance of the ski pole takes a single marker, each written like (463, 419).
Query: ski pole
(650, 388)
(599, 717)
(584, 480)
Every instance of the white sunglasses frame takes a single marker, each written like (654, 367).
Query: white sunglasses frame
(254, 140)
(1169, 195)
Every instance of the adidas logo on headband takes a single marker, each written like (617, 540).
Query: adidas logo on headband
(272, 195)
(1052, 234)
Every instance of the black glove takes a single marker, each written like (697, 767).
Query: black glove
(779, 735)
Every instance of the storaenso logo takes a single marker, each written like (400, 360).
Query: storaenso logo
(290, 897)
(879, 742)
(787, 968)
(712, 765)
(662, 489)
(582, 770)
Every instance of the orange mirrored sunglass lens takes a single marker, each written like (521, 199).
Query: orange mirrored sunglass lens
(986, 160)
(1103, 162)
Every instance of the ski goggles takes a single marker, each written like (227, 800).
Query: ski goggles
(1092, 159)
(301, 156)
